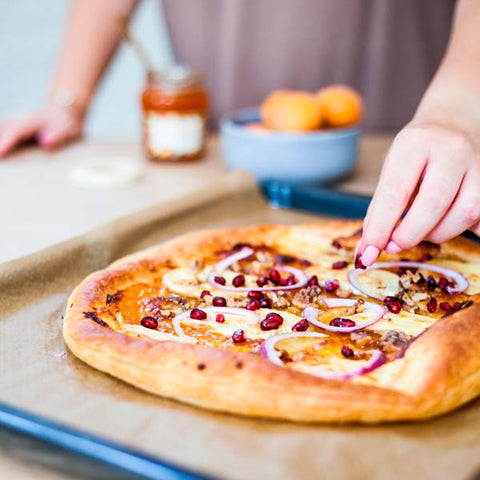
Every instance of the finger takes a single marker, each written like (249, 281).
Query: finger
(402, 170)
(463, 214)
(12, 135)
(476, 229)
(437, 193)
(56, 133)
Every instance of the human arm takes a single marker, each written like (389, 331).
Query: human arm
(91, 39)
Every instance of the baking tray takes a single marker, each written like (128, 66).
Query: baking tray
(50, 395)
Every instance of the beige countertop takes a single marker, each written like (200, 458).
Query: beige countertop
(40, 205)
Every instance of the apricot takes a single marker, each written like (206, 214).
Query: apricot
(291, 111)
(341, 106)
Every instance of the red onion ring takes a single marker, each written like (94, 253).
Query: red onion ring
(251, 316)
(460, 280)
(246, 252)
(377, 357)
(311, 313)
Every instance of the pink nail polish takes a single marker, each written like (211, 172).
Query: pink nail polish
(369, 255)
(392, 248)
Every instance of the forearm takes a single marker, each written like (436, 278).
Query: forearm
(455, 90)
(91, 39)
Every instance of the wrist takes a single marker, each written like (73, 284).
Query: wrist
(68, 100)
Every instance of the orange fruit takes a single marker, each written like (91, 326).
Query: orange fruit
(291, 111)
(341, 105)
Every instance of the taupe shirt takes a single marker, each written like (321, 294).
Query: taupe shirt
(387, 49)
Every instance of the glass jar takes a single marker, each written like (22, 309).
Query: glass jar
(175, 108)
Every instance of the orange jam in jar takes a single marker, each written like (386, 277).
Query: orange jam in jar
(175, 107)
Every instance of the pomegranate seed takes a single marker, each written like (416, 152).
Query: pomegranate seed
(426, 258)
(339, 265)
(291, 280)
(255, 294)
(301, 326)
(393, 304)
(358, 262)
(239, 281)
(274, 276)
(305, 263)
(219, 302)
(269, 324)
(198, 314)
(443, 284)
(431, 283)
(265, 303)
(457, 306)
(342, 322)
(253, 304)
(274, 316)
(262, 281)
(238, 336)
(432, 305)
(445, 306)
(220, 318)
(220, 280)
(149, 322)
(336, 244)
(332, 285)
(204, 294)
(282, 282)
(313, 282)
(347, 351)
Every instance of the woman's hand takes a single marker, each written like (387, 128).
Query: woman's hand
(51, 127)
(433, 170)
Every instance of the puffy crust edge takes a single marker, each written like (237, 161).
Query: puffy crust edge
(441, 369)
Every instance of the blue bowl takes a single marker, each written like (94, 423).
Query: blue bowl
(317, 156)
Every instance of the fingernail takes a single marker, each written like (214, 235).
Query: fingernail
(369, 255)
(392, 248)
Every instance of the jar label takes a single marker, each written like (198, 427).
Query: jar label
(174, 133)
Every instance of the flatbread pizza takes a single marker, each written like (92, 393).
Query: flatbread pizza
(275, 321)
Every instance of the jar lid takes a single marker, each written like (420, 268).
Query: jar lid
(175, 77)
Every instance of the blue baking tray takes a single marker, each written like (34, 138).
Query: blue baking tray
(117, 459)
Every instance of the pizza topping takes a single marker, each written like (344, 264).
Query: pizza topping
(347, 351)
(219, 280)
(394, 338)
(358, 263)
(197, 314)
(238, 336)
(431, 283)
(339, 265)
(220, 318)
(296, 279)
(342, 322)
(113, 298)
(205, 293)
(393, 304)
(432, 305)
(313, 281)
(269, 324)
(207, 314)
(320, 366)
(255, 294)
(149, 322)
(238, 281)
(372, 311)
(219, 302)
(253, 304)
(265, 303)
(457, 283)
(301, 326)
(332, 285)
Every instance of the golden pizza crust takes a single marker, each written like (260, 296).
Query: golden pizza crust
(439, 372)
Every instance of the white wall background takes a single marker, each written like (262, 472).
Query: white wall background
(30, 36)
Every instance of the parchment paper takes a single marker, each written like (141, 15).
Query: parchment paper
(36, 376)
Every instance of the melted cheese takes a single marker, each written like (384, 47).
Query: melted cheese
(155, 334)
